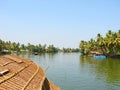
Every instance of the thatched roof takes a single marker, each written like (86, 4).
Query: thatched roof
(21, 74)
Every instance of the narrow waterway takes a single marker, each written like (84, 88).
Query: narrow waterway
(70, 71)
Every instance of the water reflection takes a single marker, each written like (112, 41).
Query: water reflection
(51, 55)
(107, 70)
(70, 71)
(43, 55)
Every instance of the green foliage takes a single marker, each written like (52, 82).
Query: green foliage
(51, 48)
(17, 47)
(70, 50)
(109, 45)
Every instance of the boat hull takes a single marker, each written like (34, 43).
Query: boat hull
(99, 57)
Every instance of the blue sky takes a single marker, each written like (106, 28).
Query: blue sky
(63, 23)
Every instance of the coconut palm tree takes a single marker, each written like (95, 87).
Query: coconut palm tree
(109, 45)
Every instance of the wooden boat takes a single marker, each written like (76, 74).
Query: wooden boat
(22, 74)
(98, 55)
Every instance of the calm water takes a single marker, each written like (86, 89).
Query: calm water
(72, 72)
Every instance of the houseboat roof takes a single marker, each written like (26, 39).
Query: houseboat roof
(22, 74)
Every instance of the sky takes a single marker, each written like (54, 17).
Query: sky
(63, 23)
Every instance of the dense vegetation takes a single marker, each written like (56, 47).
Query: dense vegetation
(108, 45)
(70, 49)
(17, 47)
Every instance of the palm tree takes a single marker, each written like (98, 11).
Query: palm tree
(109, 45)
(84, 47)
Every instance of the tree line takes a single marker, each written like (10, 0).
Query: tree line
(31, 48)
(109, 45)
